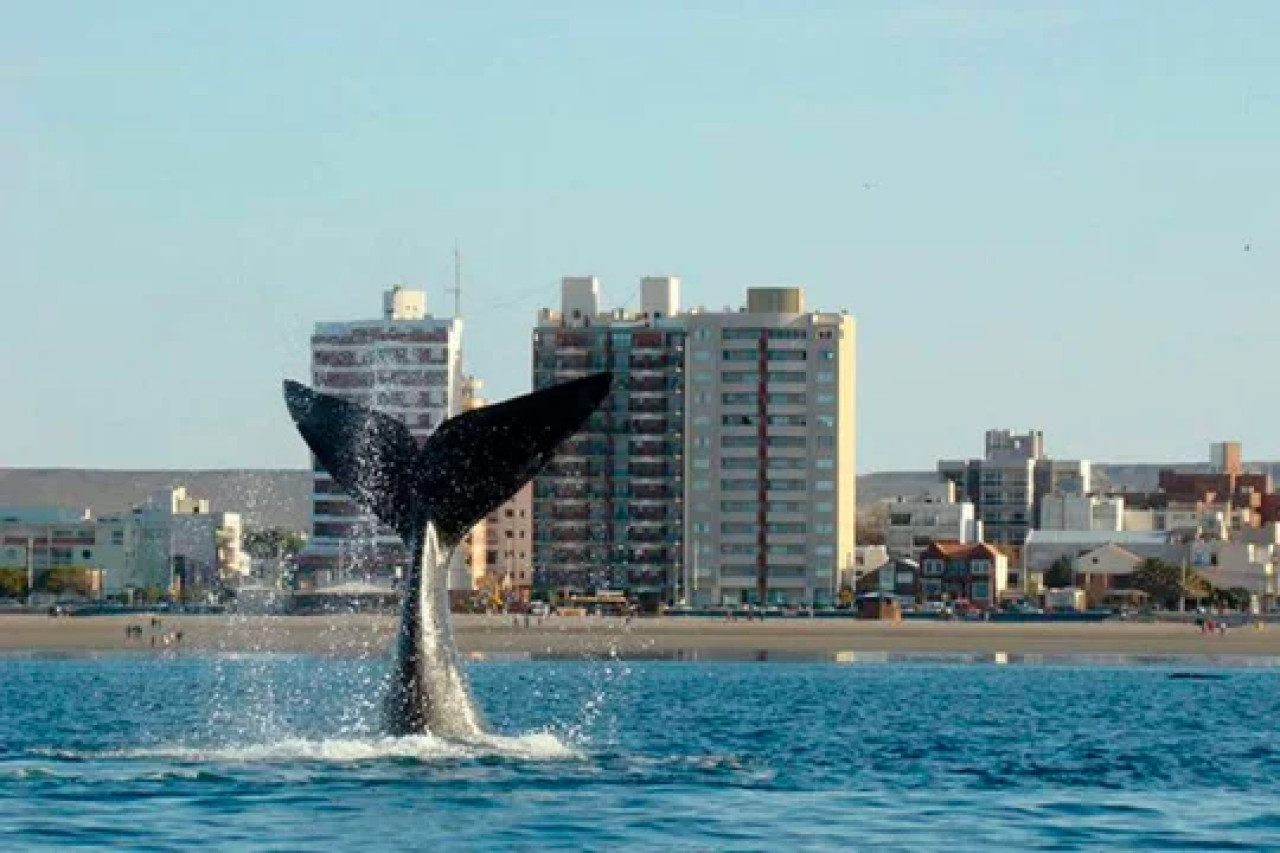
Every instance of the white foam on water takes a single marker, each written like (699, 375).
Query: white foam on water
(538, 746)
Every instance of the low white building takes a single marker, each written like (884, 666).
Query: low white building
(1044, 547)
(1065, 511)
(169, 540)
(917, 521)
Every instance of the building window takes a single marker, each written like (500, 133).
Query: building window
(981, 591)
(824, 486)
(982, 568)
(739, 528)
(932, 568)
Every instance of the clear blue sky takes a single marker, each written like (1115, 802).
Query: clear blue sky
(1054, 236)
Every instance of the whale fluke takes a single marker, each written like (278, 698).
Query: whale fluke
(467, 468)
(432, 496)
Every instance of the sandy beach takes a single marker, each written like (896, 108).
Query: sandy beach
(656, 637)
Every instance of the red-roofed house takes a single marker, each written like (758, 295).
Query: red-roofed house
(975, 572)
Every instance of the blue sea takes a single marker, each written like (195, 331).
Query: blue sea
(282, 752)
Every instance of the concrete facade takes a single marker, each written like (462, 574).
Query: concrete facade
(407, 364)
(917, 521)
(509, 542)
(608, 512)
(771, 498)
(1008, 485)
(721, 466)
(1061, 511)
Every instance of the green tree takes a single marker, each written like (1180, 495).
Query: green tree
(871, 525)
(67, 580)
(149, 595)
(1236, 598)
(1061, 574)
(269, 542)
(13, 583)
(1168, 584)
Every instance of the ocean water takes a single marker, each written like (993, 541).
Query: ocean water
(281, 752)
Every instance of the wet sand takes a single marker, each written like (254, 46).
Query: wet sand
(595, 637)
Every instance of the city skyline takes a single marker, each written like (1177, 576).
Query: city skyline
(1054, 217)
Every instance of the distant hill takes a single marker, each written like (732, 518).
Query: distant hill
(280, 498)
(263, 497)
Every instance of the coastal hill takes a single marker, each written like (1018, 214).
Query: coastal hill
(279, 498)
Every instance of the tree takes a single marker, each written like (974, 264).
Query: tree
(1061, 574)
(270, 542)
(1168, 584)
(1236, 598)
(150, 595)
(871, 525)
(67, 580)
(13, 583)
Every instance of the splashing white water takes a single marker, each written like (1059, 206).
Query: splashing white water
(540, 746)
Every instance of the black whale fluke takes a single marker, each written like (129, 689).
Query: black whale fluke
(432, 496)
(468, 467)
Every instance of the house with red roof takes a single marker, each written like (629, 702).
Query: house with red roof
(963, 571)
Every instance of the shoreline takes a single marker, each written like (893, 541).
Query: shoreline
(648, 638)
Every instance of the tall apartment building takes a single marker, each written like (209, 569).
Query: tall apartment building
(1008, 484)
(771, 501)
(608, 511)
(720, 469)
(407, 364)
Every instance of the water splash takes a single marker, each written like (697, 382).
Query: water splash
(538, 746)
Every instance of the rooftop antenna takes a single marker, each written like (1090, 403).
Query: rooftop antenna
(456, 290)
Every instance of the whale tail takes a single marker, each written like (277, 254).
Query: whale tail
(467, 468)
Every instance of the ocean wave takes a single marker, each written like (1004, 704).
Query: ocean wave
(538, 746)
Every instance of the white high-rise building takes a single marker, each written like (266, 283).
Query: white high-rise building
(407, 364)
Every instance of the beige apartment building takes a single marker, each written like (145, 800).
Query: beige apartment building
(770, 501)
(509, 543)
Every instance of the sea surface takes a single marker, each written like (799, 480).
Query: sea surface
(282, 752)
